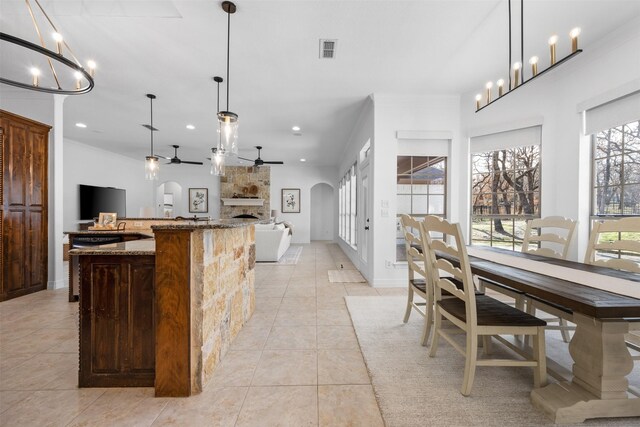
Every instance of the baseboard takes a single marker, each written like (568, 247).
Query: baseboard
(57, 284)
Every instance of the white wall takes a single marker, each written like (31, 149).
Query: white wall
(191, 176)
(322, 212)
(304, 178)
(435, 116)
(552, 100)
(87, 165)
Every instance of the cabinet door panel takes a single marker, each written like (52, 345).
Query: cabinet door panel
(105, 317)
(16, 158)
(36, 250)
(14, 246)
(141, 318)
(38, 170)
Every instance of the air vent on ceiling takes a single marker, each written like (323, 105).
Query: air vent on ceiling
(328, 48)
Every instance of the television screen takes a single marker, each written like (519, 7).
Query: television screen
(94, 200)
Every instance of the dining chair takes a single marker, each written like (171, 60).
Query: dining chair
(610, 240)
(550, 237)
(475, 315)
(417, 280)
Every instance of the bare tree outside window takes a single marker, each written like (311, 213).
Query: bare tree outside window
(505, 193)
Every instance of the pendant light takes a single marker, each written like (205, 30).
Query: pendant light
(228, 121)
(151, 164)
(217, 158)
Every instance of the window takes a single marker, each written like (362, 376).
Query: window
(505, 193)
(616, 171)
(616, 180)
(347, 205)
(420, 191)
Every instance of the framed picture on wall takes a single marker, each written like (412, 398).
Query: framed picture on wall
(198, 200)
(290, 200)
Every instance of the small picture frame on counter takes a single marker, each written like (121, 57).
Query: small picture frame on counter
(107, 220)
(198, 200)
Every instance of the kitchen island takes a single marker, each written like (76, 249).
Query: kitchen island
(167, 308)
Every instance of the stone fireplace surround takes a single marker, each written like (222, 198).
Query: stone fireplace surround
(237, 181)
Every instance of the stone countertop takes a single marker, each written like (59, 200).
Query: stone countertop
(207, 225)
(133, 247)
(123, 232)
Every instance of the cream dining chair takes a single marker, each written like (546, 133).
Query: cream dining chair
(550, 237)
(417, 280)
(472, 314)
(609, 239)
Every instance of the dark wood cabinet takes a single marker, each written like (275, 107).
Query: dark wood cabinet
(117, 323)
(23, 192)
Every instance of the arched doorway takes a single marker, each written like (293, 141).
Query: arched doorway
(169, 197)
(322, 212)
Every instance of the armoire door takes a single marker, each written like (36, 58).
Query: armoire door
(23, 161)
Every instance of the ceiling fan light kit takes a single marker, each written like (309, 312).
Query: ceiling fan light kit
(227, 120)
(151, 162)
(82, 79)
(518, 79)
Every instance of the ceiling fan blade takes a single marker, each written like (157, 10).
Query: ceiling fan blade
(248, 160)
(163, 157)
(272, 163)
(192, 163)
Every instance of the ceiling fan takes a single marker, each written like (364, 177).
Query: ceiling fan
(259, 161)
(176, 161)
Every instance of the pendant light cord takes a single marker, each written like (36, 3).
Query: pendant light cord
(228, 44)
(509, 67)
(151, 100)
(522, 35)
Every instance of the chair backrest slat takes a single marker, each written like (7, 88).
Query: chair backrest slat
(537, 232)
(622, 236)
(440, 226)
(413, 241)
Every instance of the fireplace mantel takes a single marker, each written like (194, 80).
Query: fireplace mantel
(243, 202)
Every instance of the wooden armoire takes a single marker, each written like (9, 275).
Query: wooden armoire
(23, 193)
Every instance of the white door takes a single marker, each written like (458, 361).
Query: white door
(365, 223)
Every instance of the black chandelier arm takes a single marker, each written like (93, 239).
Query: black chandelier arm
(50, 54)
(563, 60)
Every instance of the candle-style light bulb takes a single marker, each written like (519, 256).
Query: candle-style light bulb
(574, 38)
(534, 65)
(478, 99)
(516, 74)
(92, 67)
(500, 84)
(552, 48)
(57, 37)
(35, 73)
(489, 85)
(78, 76)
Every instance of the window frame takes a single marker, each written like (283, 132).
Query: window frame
(348, 206)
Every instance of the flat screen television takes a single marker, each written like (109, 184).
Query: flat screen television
(94, 200)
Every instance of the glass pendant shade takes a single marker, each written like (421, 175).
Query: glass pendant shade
(228, 128)
(217, 163)
(151, 168)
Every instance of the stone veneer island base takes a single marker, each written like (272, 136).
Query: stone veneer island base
(198, 293)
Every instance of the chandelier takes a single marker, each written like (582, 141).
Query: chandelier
(81, 79)
(518, 75)
(227, 120)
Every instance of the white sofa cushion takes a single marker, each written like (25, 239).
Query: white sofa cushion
(271, 244)
(264, 227)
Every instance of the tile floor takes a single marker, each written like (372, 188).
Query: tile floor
(296, 362)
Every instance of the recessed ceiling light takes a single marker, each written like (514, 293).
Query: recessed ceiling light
(296, 128)
(303, 160)
(81, 125)
(191, 127)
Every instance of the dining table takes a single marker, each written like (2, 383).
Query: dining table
(602, 302)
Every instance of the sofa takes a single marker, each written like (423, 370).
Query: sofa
(272, 241)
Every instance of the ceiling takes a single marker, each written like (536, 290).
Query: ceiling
(174, 48)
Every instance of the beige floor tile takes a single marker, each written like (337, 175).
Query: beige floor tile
(287, 367)
(339, 317)
(330, 303)
(292, 337)
(38, 341)
(50, 408)
(348, 405)
(280, 406)
(337, 337)
(11, 398)
(135, 406)
(300, 291)
(341, 367)
(295, 318)
(268, 304)
(270, 292)
(251, 338)
(262, 318)
(331, 290)
(298, 303)
(302, 282)
(71, 345)
(360, 289)
(236, 369)
(40, 371)
(8, 362)
(213, 407)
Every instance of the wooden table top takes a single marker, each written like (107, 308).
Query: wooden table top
(573, 296)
